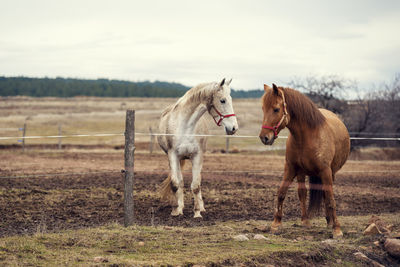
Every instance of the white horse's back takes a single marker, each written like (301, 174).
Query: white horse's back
(169, 126)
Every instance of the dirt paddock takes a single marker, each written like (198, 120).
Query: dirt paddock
(49, 191)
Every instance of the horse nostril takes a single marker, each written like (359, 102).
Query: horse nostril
(233, 129)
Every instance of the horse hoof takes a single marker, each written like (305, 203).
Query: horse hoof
(176, 212)
(306, 223)
(337, 234)
(275, 230)
(275, 227)
(197, 214)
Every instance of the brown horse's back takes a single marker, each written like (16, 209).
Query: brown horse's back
(341, 139)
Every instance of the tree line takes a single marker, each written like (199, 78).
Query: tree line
(67, 87)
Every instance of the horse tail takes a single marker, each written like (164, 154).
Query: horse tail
(316, 195)
(166, 192)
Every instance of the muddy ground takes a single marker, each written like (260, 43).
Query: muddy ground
(49, 191)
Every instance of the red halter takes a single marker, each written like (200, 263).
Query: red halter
(275, 128)
(221, 117)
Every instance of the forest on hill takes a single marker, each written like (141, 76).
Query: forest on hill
(68, 87)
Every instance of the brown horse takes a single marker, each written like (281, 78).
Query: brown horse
(318, 146)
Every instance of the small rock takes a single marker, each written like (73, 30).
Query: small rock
(100, 259)
(362, 257)
(372, 229)
(141, 243)
(168, 228)
(380, 224)
(262, 228)
(392, 246)
(240, 238)
(260, 237)
(308, 237)
(228, 228)
(329, 242)
(376, 243)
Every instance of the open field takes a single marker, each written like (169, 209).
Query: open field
(65, 207)
(56, 196)
(91, 115)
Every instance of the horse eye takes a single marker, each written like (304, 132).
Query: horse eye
(222, 101)
(276, 110)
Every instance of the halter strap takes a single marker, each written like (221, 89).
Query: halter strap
(276, 127)
(221, 117)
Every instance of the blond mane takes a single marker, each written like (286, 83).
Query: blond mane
(200, 93)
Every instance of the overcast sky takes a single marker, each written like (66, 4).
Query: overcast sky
(190, 42)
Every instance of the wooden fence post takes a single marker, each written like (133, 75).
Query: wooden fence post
(151, 140)
(129, 165)
(23, 137)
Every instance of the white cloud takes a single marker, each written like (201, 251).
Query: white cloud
(192, 42)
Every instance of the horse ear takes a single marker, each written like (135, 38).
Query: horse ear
(266, 88)
(222, 82)
(276, 91)
(229, 82)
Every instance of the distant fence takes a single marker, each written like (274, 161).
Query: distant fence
(152, 136)
(161, 134)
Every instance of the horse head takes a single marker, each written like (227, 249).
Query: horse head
(221, 108)
(275, 114)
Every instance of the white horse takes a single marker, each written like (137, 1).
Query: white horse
(180, 122)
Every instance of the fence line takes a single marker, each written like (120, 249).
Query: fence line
(166, 172)
(56, 174)
(161, 134)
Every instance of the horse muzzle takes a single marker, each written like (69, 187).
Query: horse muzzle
(267, 141)
(231, 131)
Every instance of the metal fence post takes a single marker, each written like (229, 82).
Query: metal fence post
(129, 166)
(227, 145)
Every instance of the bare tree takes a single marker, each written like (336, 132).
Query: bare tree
(376, 114)
(391, 96)
(326, 91)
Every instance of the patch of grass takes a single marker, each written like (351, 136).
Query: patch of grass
(161, 245)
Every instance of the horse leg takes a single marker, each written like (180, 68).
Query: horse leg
(302, 192)
(330, 204)
(288, 177)
(329, 221)
(177, 184)
(197, 163)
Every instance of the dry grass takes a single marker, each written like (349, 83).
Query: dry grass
(89, 115)
(212, 245)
